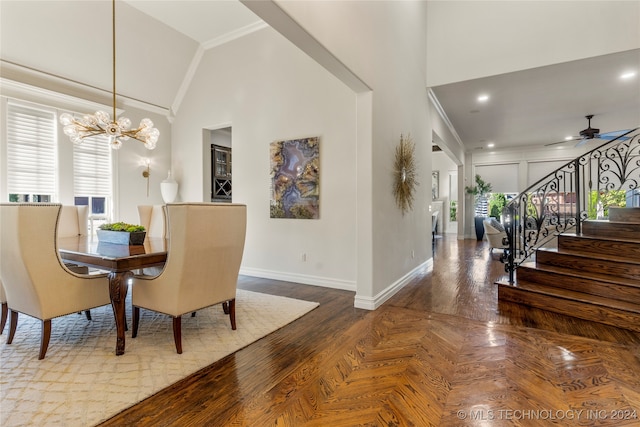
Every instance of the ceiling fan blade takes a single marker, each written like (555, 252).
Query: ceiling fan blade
(614, 134)
(582, 142)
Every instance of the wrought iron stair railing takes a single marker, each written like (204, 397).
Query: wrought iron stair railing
(581, 189)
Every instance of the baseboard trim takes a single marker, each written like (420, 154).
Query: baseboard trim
(372, 303)
(305, 279)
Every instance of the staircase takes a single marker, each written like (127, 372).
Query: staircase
(593, 275)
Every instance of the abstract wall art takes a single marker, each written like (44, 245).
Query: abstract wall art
(295, 178)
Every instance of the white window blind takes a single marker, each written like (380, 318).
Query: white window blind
(503, 178)
(31, 150)
(92, 167)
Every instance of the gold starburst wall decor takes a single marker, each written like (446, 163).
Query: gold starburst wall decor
(404, 174)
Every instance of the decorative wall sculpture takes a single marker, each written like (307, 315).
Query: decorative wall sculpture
(295, 178)
(405, 174)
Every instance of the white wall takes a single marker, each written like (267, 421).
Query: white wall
(472, 39)
(267, 90)
(384, 44)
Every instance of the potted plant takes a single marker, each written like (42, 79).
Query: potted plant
(479, 192)
(497, 202)
(121, 233)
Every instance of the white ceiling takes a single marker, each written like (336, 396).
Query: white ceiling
(546, 104)
(530, 107)
(203, 21)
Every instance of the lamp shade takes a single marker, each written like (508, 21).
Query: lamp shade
(169, 189)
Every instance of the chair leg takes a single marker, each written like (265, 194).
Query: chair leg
(225, 307)
(177, 333)
(232, 313)
(193, 314)
(88, 314)
(136, 321)
(13, 323)
(3, 319)
(44, 340)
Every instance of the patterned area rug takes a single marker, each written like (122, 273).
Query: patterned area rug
(81, 381)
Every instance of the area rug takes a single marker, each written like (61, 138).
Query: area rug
(81, 382)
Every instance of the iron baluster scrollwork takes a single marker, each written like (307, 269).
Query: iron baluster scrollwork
(579, 190)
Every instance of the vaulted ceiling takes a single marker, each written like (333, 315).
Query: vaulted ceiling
(157, 42)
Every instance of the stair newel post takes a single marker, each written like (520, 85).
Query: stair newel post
(578, 195)
(509, 218)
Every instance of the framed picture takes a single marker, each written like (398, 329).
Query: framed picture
(435, 184)
(295, 179)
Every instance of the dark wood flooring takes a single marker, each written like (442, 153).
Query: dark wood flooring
(441, 352)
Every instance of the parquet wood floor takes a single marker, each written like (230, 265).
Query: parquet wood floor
(441, 352)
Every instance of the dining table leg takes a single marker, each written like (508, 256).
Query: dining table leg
(118, 287)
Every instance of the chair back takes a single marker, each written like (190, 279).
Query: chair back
(153, 219)
(34, 278)
(3, 296)
(205, 252)
(73, 221)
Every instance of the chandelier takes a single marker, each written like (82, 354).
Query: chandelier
(117, 130)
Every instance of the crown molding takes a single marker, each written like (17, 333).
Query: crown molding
(13, 89)
(19, 74)
(236, 34)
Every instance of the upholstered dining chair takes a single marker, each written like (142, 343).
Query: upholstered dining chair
(73, 221)
(206, 242)
(153, 219)
(35, 279)
(5, 308)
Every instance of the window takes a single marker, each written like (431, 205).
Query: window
(31, 153)
(92, 174)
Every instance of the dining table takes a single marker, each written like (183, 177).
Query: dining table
(120, 262)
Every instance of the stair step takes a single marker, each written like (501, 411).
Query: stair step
(606, 228)
(601, 264)
(575, 304)
(630, 215)
(579, 281)
(622, 249)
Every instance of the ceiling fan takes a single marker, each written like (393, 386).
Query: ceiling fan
(591, 133)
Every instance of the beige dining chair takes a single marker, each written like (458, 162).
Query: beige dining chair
(206, 242)
(73, 221)
(36, 281)
(5, 308)
(153, 219)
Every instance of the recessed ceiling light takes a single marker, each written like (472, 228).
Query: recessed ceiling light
(483, 98)
(491, 145)
(628, 75)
